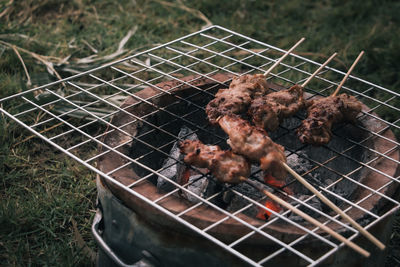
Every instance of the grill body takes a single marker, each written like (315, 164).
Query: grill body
(136, 242)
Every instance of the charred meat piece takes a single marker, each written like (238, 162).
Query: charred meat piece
(226, 166)
(238, 97)
(268, 111)
(255, 144)
(323, 113)
(256, 84)
(228, 101)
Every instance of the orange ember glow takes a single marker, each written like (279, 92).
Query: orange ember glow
(265, 214)
(186, 175)
(272, 181)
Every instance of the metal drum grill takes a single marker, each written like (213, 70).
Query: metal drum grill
(134, 109)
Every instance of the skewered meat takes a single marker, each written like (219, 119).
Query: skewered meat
(226, 166)
(323, 113)
(238, 97)
(255, 144)
(268, 111)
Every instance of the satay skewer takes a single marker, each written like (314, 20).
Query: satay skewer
(348, 73)
(325, 111)
(329, 203)
(283, 57)
(243, 88)
(309, 218)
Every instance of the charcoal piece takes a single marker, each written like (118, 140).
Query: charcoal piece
(314, 202)
(257, 173)
(237, 202)
(300, 164)
(171, 168)
(201, 186)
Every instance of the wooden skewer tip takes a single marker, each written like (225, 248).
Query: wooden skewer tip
(348, 73)
(283, 57)
(319, 70)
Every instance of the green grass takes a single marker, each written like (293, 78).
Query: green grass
(42, 192)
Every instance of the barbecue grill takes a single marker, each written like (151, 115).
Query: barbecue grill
(135, 109)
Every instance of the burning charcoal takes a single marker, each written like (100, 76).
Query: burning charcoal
(201, 186)
(236, 202)
(173, 170)
(182, 174)
(300, 164)
(257, 173)
(266, 214)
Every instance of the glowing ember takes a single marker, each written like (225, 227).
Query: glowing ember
(272, 181)
(264, 214)
(186, 175)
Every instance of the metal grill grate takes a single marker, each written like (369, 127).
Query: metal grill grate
(49, 111)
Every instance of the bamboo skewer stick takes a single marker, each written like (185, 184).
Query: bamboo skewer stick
(283, 57)
(310, 219)
(348, 73)
(318, 70)
(335, 208)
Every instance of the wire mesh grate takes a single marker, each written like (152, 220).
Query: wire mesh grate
(77, 116)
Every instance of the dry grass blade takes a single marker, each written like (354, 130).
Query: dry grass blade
(7, 10)
(32, 136)
(41, 58)
(118, 52)
(193, 11)
(81, 243)
(94, 50)
(29, 83)
(19, 36)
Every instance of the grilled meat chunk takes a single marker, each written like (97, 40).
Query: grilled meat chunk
(268, 111)
(238, 97)
(255, 144)
(323, 113)
(226, 166)
(256, 84)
